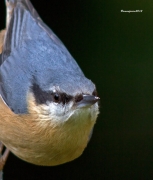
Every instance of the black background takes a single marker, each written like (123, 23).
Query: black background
(115, 50)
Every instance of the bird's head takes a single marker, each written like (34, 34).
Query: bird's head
(64, 103)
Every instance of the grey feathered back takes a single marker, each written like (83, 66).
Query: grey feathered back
(33, 53)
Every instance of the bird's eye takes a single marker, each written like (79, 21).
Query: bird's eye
(56, 97)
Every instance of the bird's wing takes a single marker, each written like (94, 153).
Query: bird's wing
(26, 42)
(32, 51)
(23, 22)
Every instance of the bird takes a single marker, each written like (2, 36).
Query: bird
(48, 108)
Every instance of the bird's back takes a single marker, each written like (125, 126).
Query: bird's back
(32, 52)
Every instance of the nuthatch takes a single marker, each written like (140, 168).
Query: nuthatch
(47, 106)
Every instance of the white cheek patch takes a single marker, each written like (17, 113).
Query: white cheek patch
(59, 113)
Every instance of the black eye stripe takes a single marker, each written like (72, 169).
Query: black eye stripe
(42, 97)
(78, 98)
(65, 98)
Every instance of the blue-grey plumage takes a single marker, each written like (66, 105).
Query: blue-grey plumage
(44, 86)
(33, 54)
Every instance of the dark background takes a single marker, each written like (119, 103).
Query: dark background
(115, 50)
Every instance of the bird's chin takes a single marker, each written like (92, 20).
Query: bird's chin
(79, 115)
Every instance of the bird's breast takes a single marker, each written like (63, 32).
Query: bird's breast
(40, 141)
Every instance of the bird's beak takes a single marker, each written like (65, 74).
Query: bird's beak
(87, 101)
